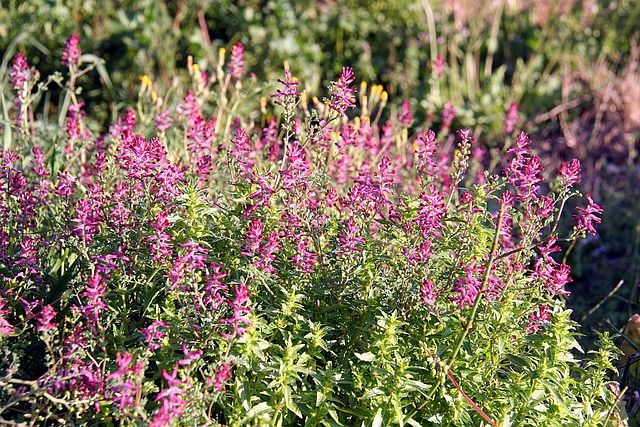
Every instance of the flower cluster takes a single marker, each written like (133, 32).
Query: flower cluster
(199, 265)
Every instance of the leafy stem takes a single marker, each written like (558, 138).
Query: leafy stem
(476, 303)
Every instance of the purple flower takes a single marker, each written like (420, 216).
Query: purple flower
(123, 388)
(66, 184)
(341, 94)
(305, 260)
(298, 169)
(171, 397)
(253, 238)
(193, 259)
(71, 51)
(93, 293)
(240, 310)
(242, 150)
(268, 252)
(425, 147)
(523, 171)
(407, 116)
(6, 328)
(190, 356)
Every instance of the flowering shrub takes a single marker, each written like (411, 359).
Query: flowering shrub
(221, 264)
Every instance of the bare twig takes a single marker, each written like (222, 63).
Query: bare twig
(566, 106)
(605, 299)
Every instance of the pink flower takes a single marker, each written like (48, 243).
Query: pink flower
(570, 172)
(71, 51)
(123, 388)
(253, 238)
(524, 172)
(173, 405)
(468, 287)
(341, 94)
(542, 316)
(448, 114)
(298, 169)
(6, 328)
(407, 116)
(239, 321)
(242, 149)
(438, 66)
(193, 259)
(426, 146)
(350, 240)
(45, 319)
(428, 296)
(221, 375)
(236, 63)
(21, 72)
(305, 260)
(587, 216)
(553, 276)
(290, 93)
(93, 293)
(511, 118)
(153, 335)
(163, 121)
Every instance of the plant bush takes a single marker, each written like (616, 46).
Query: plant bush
(234, 253)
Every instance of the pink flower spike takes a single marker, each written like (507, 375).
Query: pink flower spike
(20, 74)
(448, 114)
(71, 51)
(570, 172)
(45, 319)
(290, 93)
(587, 216)
(428, 296)
(6, 328)
(221, 375)
(438, 66)
(236, 64)
(511, 118)
(341, 94)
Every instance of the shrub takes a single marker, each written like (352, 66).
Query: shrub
(301, 264)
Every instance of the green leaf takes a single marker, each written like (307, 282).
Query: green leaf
(60, 285)
(259, 409)
(289, 403)
(366, 357)
(377, 420)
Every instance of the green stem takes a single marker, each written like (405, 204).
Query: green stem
(476, 303)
